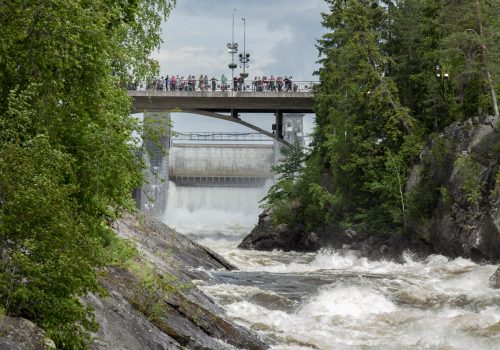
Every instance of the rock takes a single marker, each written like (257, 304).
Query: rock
(123, 327)
(187, 319)
(389, 247)
(459, 228)
(19, 333)
(495, 279)
(267, 237)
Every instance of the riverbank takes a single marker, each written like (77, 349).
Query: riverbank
(455, 190)
(154, 302)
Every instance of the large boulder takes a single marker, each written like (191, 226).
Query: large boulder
(266, 236)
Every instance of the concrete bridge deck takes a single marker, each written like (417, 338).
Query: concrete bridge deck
(222, 101)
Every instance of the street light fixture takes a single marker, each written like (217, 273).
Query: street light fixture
(443, 78)
(244, 57)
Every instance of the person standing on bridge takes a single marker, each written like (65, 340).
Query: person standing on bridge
(206, 82)
(272, 82)
(223, 82)
(201, 83)
(214, 83)
(173, 83)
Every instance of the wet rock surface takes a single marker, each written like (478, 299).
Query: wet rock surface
(376, 247)
(265, 236)
(495, 279)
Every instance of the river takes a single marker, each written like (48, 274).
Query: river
(333, 299)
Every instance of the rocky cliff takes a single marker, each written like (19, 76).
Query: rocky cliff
(464, 211)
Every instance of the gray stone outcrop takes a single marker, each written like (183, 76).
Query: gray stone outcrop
(190, 320)
(19, 333)
(459, 227)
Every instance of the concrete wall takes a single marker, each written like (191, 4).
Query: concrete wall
(214, 161)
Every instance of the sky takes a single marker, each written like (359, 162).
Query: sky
(280, 36)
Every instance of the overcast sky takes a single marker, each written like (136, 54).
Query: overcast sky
(280, 37)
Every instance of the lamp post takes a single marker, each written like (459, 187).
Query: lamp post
(232, 49)
(442, 77)
(244, 57)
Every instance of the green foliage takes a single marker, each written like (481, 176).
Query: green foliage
(391, 74)
(288, 169)
(470, 172)
(152, 289)
(152, 293)
(497, 182)
(445, 197)
(67, 157)
(361, 125)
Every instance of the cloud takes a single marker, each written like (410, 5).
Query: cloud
(280, 36)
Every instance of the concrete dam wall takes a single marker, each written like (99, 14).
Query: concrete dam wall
(220, 165)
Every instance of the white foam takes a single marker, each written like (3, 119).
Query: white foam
(347, 301)
(430, 304)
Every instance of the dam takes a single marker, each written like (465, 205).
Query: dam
(240, 165)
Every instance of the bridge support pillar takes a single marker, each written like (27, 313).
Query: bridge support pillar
(152, 197)
(279, 124)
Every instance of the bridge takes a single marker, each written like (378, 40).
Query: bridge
(214, 103)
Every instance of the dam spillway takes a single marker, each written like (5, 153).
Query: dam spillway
(227, 165)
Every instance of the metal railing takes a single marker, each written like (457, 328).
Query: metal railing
(220, 136)
(248, 86)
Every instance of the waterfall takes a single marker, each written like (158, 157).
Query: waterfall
(205, 211)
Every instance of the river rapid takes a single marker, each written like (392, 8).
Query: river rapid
(334, 299)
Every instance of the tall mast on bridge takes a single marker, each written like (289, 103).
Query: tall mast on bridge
(232, 49)
(244, 57)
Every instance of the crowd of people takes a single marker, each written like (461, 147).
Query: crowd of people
(203, 83)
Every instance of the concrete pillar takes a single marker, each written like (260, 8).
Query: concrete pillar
(152, 198)
(293, 130)
(279, 124)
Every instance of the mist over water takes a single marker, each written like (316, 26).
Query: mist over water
(333, 299)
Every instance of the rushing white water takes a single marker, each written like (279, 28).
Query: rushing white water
(337, 300)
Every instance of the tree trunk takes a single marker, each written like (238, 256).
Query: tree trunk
(485, 60)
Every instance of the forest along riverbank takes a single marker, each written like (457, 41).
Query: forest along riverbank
(334, 298)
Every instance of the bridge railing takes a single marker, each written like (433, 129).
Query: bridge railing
(248, 86)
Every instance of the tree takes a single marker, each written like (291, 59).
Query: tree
(359, 117)
(471, 49)
(67, 163)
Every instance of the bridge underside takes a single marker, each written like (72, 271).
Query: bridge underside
(214, 103)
